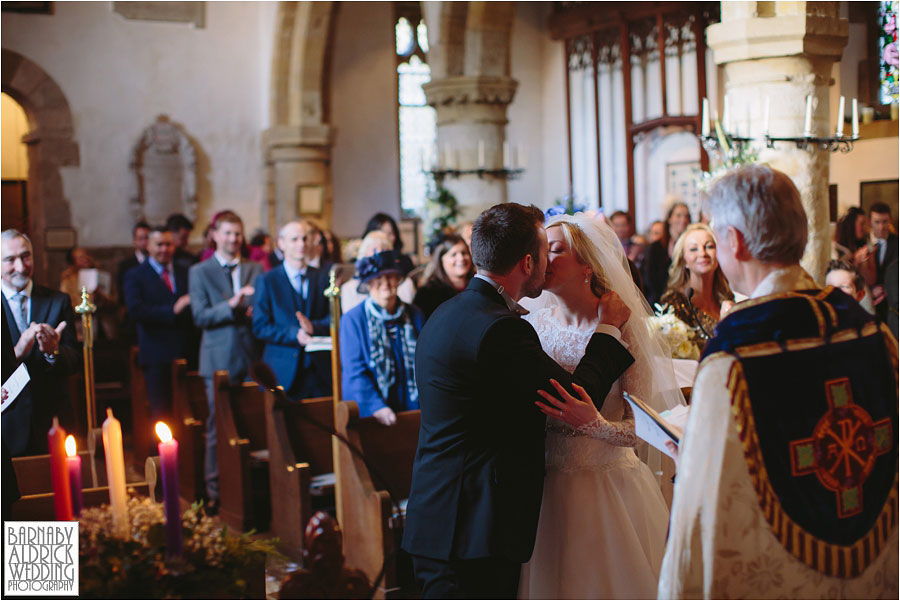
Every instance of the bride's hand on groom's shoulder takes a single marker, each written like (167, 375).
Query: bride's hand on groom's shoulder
(613, 310)
(576, 412)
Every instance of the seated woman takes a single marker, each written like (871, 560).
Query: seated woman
(378, 342)
(373, 243)
(448, 273)
(697, 290)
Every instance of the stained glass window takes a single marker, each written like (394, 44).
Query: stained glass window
(418, 121)
(887, 49)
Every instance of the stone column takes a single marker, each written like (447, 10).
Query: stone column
(295, 156)
(472, 109)
(784, 51)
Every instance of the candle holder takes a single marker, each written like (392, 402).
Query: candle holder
(439, 173)
(843, 144)
(87, 309)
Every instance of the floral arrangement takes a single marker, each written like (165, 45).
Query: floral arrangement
(681, 338)
(441, 211)
(215, 563)
(731, 156)
(565, 206)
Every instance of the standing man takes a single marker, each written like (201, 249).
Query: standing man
(786, 483)
(181, 228)
(139, 242)
(289, 308)
(156, 294)
(478, 475)
(41, 324)
(884, 243)
(221, 291)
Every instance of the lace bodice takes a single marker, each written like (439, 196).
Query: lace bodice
(600, 444)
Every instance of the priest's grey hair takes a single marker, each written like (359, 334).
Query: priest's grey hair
(764, 205)
(12, 234)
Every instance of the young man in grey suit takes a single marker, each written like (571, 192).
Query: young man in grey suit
(221, 290)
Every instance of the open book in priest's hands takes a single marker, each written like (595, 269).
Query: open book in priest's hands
(656, 428)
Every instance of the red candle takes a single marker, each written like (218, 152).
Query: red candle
(62, 495)
(73, 463)
(168, 459)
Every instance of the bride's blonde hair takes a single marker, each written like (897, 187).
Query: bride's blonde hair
(586, 254)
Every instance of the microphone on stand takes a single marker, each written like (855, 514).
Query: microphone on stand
(689, 293)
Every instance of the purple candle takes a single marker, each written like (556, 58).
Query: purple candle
(73, 463)
(168, 459)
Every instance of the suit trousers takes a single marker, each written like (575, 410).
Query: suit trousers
(211, 460)
(159, 389)
(484, 578)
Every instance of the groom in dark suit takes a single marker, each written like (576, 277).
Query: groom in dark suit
(479, 470)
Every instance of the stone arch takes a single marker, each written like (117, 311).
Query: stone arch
(51, 145)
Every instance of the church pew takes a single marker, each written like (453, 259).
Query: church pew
(300, 466)
(191, 410)
(33, 473)
(141, 426)
(243, 455)
(40, 506)
(372, 530)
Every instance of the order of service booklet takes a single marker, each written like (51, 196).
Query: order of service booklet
(657, 428)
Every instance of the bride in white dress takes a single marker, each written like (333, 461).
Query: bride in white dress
(602, 529)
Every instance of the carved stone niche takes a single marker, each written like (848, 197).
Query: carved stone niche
(164, 174)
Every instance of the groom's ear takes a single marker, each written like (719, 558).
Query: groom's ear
(527, 263)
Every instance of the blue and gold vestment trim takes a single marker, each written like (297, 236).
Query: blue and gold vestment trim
(814, 396)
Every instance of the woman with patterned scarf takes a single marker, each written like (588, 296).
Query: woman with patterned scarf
(378, 342)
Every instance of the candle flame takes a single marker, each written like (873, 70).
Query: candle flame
(162, 430)
(70, 446)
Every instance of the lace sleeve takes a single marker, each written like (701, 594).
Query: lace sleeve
(619, 433)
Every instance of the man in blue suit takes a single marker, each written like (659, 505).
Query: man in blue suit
(156, 294)
(289, 308)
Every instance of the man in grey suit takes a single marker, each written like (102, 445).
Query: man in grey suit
(221, 290)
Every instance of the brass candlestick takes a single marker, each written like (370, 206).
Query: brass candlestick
(86, 309)
(333, 293)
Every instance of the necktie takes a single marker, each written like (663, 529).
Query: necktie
(168, 280)
(229, 272)
(882, 247)
(300, 278)
(21, 314)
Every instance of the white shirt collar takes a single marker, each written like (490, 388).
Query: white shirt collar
(291, 272)
(223, 261)
(784, 279)
(511, 303)
(9, 292)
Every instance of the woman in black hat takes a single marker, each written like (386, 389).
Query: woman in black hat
(378, 342)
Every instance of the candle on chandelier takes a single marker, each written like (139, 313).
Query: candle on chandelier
(481, 154)
(807, 122)
(115, 473)
(62, 495)
(855, 118)
(704, 120)
(839, 132)
(168, 459)
(766, 117)
(73, 465)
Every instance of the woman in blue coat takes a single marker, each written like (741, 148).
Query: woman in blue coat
(378, 342)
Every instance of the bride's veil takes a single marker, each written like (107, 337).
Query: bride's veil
(651, 378)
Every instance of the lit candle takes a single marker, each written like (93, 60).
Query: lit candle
(168, 460)
(840, 119)
(481, 154)
(62, 496)
(855, 119)
(807, 122)
(115, 473)
(506, 161)
(704, 120)
(766, 118)
(73, 463)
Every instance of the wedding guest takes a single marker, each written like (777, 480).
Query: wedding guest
(139, 236)
(378, 342)
(98, 284)
(658, 256)
(624, 228)
(374, 242)
(261, 249)
(330, 247)
(385, 223)
(656, 231)
(843, 275)
(748, 521)
(447, 274)
(851, 244)
(181, 228)
(697, 288)
(884, 250)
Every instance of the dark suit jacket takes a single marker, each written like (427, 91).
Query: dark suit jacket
(275, 304)
(655, 271)
(47, 393)
(227, 336)
(9, 364)
(479, 469)
(889, 256)
(161, 333)
(125, 266)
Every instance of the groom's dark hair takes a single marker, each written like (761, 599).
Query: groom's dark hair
(503, 234)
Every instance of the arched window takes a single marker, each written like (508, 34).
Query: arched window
(418, 122)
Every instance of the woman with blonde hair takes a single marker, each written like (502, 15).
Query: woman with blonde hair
(602, 528)
(697, 288)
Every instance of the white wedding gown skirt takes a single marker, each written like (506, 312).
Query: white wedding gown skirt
(602, 529)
